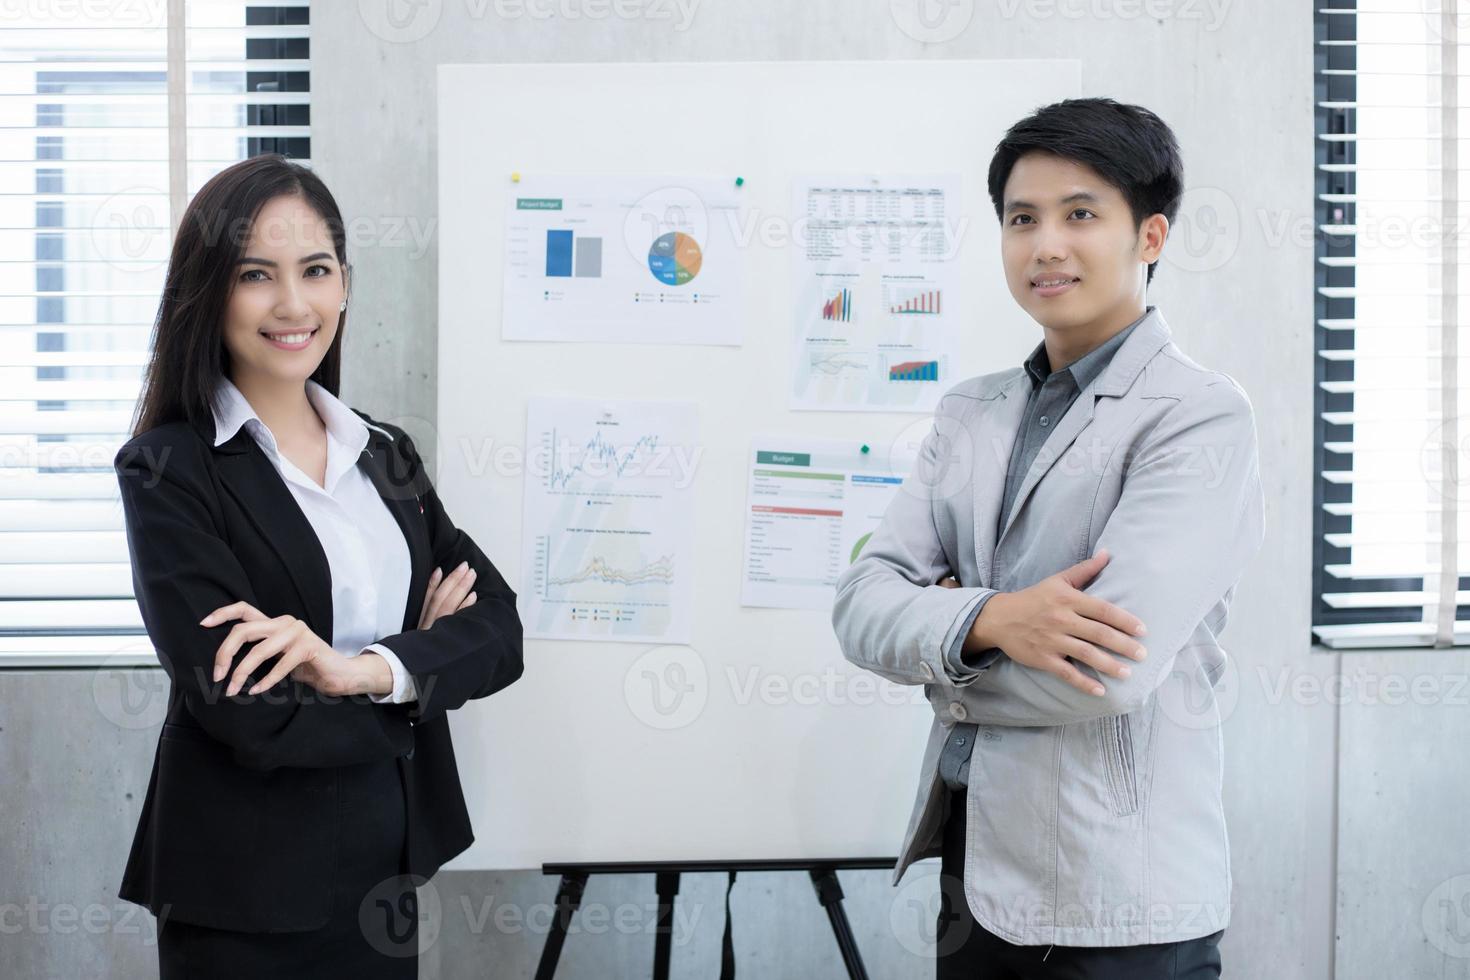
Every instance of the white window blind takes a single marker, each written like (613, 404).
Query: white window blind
(1393, 382)
(92, 176)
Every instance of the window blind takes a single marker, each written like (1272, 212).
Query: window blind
(1391, 519)
(94, 168)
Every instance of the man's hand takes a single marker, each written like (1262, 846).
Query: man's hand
(1052, 622)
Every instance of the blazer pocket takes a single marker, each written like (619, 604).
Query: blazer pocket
(186, 732)
(1116, 735)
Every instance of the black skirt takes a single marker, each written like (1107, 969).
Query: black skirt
(373, 930)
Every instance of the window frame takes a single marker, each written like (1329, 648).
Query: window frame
(284, 67)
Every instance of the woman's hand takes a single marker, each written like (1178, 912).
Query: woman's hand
(449, 595)
(307, 657)
(302, 654)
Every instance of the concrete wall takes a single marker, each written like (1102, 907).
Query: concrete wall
(1234, 80)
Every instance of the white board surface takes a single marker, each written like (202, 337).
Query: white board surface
(756, 740)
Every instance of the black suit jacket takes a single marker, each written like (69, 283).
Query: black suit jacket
(240, 821)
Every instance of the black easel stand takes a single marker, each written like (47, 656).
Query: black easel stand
(666, 884)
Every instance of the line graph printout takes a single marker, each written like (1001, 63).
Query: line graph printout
(874, 304)
(609, 520)
(812, 505)
(629, 259)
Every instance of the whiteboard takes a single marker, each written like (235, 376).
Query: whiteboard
(778, 748)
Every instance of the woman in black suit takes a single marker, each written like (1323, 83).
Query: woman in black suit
(288, 559)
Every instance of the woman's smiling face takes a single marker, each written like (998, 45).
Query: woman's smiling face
(285, 301)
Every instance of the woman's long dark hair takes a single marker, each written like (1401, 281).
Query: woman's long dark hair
(189, 355)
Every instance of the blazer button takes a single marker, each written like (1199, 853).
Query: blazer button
(957, 711)
(926, 671)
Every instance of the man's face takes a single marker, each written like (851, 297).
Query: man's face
(1071, 251)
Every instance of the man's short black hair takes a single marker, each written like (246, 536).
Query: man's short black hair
(1129, 146)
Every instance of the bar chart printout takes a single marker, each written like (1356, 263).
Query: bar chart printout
(875, 272)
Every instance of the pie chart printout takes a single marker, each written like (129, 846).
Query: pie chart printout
(623, 258)
(674, 258)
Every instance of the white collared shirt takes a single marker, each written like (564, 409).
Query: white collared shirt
(364, 545)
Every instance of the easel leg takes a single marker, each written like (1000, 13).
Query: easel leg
(667, 885)
(568, 898)
(829, 893)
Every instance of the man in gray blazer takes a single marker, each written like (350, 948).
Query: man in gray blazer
(1056, 572)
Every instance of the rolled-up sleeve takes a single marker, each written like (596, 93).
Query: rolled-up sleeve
(963, 670)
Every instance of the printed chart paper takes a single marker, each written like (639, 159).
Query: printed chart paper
(609, 520)
(811, 506)
(875, 294)
(622, 259)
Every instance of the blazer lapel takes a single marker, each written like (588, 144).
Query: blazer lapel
(1127, 363)
(996, 431)
(403, 496)
(1062, 436)
(248, 475)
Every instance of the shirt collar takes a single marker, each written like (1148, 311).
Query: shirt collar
(232, 412)
(1089, 365)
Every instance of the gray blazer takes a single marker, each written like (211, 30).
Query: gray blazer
(1092, 821)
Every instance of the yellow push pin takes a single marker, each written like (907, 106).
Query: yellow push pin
(515, 177)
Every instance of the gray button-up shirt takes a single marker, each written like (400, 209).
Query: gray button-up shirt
(1052, 394)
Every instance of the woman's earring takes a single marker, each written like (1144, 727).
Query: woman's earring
(343, 307)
